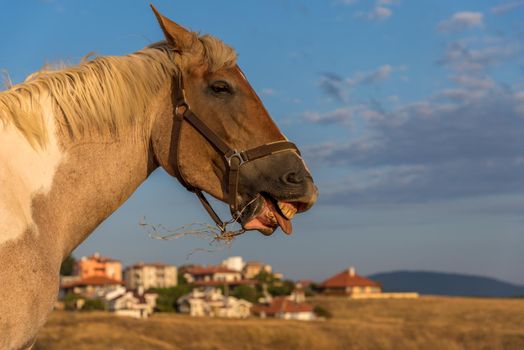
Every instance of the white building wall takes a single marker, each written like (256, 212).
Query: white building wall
(235, 263)
(150, 276)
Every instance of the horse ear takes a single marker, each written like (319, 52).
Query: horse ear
(180, 38)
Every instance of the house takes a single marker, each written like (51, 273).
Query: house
(278, 275)
(298, 294)
(98, 266)
(349, 283)
(152, 275)
(253, 268)
(212, 303)
(235, 263)
(211, 273)
(131, 303)
(89, 287)
(285, 308)
(229, 284)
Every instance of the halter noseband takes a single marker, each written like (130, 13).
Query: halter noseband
(233, 158)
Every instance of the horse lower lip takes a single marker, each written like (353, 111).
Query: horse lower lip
(270, 216)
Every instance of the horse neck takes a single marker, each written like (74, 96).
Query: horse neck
(95, 176)
(100, 172)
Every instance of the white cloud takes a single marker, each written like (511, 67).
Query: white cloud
(473, 82)
(386, 2)
(380, 74)
(519, 100)
(380, 11)
(268, 92)
(506, 7)
(338, 87)
(340, 115)
(461, 21)
(57, 4)
(348, 2)
(453, 150)
(463, 58)
(461, 95)
(333, 85)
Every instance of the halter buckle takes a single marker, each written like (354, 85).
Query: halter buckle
(235, 154)
(181, 108)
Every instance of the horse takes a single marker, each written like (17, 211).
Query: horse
(76, 142)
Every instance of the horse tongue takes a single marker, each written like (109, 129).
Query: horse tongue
(284, 223)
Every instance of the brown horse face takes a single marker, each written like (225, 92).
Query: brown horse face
(271, 189)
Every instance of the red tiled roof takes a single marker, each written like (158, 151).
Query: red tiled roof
(101, 259)
(281, 304)
(142, 264)
(306, 283)
(346, 279)
(221, 283)
(209, 270)
(92, 281)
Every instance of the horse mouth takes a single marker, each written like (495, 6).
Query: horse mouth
(268, 214)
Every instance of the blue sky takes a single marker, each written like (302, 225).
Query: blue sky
(410, 114)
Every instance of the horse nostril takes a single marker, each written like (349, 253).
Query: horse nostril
(293, 178)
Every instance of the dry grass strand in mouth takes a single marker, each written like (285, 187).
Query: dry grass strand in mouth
(216, 238)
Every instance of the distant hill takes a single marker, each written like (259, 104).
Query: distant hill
(438, 283)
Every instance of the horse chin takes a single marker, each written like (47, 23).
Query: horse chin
(268, 213)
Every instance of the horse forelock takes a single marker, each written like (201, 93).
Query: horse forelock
(217, 54)
(103, 95)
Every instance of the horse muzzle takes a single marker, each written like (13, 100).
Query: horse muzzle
(266, 212)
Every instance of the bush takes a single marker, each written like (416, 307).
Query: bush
(322, 312)
(93, 304)
(70, 301)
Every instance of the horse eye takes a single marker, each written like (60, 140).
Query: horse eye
(221, 87)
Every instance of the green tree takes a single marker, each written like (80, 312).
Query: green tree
(281, 288)
(70, 301)
(93, 304)
(181, 280)
(265, 277)
(68, 265)
(311, 290)
(167, 297)
(245, 292)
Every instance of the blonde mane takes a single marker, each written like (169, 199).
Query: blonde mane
(103, 95)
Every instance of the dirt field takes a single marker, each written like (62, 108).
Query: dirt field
(426, 323)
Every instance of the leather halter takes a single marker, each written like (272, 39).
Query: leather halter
(233, 158)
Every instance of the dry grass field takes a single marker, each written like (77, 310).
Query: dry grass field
(426, 323)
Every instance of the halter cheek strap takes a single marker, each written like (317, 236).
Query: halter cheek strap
(233, 158)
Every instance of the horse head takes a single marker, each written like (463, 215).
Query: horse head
(270, 188)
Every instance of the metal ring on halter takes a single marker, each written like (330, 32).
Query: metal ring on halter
(183, 105)
(235, 154)
(235, 217)
(223, 227)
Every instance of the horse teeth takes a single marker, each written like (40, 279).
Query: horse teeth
(287, 209)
